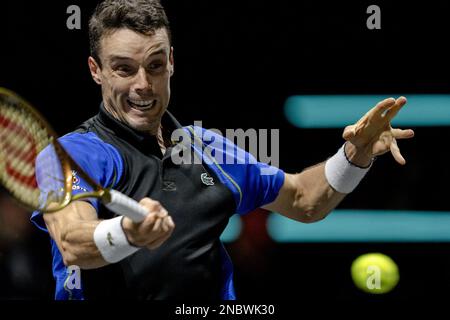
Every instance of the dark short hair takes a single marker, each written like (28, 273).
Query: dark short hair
(142, 16)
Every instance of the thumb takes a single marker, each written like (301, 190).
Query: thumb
(349, 132)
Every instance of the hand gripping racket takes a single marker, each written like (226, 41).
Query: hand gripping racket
(37, 171)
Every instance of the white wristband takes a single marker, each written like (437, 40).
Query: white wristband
(341, 174)
(111, 240)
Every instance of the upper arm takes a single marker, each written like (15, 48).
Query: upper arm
(285, 202)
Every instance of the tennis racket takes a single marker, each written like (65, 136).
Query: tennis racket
(37, 171)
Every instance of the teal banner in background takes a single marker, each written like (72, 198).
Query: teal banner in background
(365, 226)
(233, 229)
(338, 111)
(355, 226)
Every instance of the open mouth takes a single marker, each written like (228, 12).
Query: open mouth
(142, 105)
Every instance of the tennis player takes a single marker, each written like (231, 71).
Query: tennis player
(128, 146)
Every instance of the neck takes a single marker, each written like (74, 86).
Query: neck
(160, 139)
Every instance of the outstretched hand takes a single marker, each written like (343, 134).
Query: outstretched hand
(373, 133)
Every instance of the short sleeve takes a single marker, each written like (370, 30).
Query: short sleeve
(101, 161)
(253, 184)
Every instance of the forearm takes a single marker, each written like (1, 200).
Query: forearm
(73, 231)
(323, 184)
(78, 245)
(314, 198)
(312, 194)
(307, 196)
(89, 243)
(319, 198)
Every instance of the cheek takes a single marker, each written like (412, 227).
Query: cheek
(162, 85)
(119, 86)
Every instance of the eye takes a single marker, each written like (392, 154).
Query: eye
(124, 69)
(155, 66)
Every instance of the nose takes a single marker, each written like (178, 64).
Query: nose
(142, 82)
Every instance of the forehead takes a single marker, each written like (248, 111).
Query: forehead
(128, 43)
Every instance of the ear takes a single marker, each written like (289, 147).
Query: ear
(95, 70)
(172, 64)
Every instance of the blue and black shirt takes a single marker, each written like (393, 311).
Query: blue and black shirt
(200, 196)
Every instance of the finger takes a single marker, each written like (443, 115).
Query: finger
(165, 224)
(170, 223)
(383, 106)
(402, 134)
(150, 219)
(150, 204)
(399, 103)
(160, 216)
(396, 152)
(162, 213)
(156, 226)
(372, 115)
(386, 138)
(147, 223)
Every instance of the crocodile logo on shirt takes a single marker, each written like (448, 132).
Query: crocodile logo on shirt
(207, 180)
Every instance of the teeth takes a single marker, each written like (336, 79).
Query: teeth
(142, 104)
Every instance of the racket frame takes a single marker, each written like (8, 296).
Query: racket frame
(67, 163)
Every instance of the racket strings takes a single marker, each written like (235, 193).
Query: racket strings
(16, 153)
(25, 149)
(50, 176)
(19, 150)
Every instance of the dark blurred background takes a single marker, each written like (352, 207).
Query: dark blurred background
(236, 62)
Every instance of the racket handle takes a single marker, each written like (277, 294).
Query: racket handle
(124, 205)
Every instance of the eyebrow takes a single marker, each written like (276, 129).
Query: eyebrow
(162, 50)
(117, 57)
(114, 57)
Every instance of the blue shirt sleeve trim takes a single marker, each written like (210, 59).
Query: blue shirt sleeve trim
(222, 174)
(228, 292)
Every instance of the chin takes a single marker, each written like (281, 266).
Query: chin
(140, 125)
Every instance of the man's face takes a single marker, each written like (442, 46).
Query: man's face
(135, 76)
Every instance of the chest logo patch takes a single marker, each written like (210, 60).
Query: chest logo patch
(169, 186)
(206, 179)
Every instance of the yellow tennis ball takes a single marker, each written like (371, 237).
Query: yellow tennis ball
(375, 273)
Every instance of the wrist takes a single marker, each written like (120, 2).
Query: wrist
(342, 175)
(111, 240)
(125, 223)
(358, 157)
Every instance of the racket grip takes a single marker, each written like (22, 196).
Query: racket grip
(124, 205)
